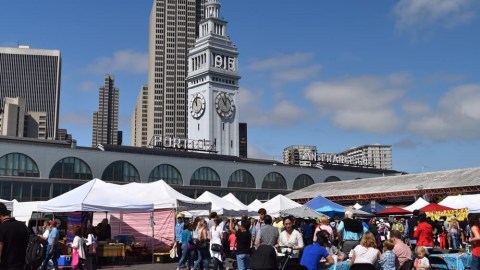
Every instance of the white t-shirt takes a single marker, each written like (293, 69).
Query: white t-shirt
(78, 243)
(45, 234)
(366, 255)
(422, 261)
(295, 239)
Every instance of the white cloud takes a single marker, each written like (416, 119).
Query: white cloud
(362, 104)
(125, 61)
(457, 116)
(280, 61)
(298, 74)
(414, 15)
(282, 114)
(416, 108)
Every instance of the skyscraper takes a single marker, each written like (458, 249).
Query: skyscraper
(105, 121)
(173, 26)
(138, 119)
(34, 75)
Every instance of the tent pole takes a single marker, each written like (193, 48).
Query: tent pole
(152, 223)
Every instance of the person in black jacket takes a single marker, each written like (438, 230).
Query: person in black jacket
(410, 228)
(13, 241)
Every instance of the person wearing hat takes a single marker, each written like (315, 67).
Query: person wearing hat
(178, 234)
(13, 241)
(52, 252)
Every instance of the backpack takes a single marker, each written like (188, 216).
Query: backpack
(35, 252)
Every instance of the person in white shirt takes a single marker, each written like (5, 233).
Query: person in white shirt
(78, 245)
(366, 251)
(91, 243)
(46, 230)
(290, 239)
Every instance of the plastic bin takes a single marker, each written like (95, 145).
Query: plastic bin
(65, 260)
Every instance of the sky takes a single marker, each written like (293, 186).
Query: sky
(334, 74)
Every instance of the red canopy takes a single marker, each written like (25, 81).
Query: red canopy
(394, 211)
(433, 207)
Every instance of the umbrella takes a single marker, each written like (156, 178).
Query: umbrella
(331, 211)
(433, 207)
(394, 211)
(301, 212)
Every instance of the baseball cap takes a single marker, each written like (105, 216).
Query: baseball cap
(3, 209)
(53, 222)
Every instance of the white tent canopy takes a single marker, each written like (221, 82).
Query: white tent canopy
(277, 204)
(97, 196)
(357, 206)
(231, 198)
(222, 206)
(255, 205)
(472, 202)
(22, 211)
(163, 196)
(420, 203)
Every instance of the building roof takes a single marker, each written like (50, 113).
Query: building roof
(383, 187)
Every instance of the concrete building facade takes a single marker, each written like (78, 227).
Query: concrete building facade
(34, 75)
(377, 155)
(300, 155)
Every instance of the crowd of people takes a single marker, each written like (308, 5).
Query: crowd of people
(312, 244)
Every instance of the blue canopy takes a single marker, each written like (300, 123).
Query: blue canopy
(320, 201)
(373, 207)
(331, 211)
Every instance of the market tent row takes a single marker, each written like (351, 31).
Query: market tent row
(400, 186)
(277, 204)
(419, 203)
(231, 198)
(220, 205)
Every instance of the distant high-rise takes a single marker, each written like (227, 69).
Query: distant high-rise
(173, 28)
(376, 155)
(34, 76)
(105, 121)
(138, 120)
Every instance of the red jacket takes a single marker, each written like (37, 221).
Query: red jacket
(423, 234)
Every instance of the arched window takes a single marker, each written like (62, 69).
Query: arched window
(205, 176)
(17, 164)
(71, 168)
(303, 180)
(167, 173)
(241, 178)
(121, 171)
(274, 180)
(332, 179)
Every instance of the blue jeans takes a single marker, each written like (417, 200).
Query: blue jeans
(243, 261)
(186, 255)
(475, 263)
(53, 256)
(454, 240)
(203, 258)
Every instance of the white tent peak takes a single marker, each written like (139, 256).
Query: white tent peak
(231, 198)
(277, 204)
(222, 206)
(255, 205)
(357, 206)
(419, 203)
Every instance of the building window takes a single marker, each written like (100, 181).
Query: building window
(302, 181)
(274, 180)
(332, 179)
(167, 173)
(241, 178)
(17, 164)
(71, 168)
(121, 171)
(205, 176)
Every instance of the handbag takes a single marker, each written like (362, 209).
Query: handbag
(200, 243)
(75, 258)
(216, 247)
(173, 252)
(190, 246)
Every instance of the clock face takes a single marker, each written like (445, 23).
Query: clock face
(198, 105)
(224, 105)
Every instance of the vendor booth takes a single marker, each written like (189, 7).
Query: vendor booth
(277, 204)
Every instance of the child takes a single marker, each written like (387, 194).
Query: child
(387, 260)
(232, 241)
(442, 238)
(421, 262)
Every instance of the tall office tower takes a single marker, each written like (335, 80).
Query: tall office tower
(213, 85)
(105, 121)
(138, 120)
(33, 75)
(172, 33)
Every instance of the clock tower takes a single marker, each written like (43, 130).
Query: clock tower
(212, 83)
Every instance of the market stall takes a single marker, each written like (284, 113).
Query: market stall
(277, 204)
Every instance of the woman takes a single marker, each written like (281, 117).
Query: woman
(424, 232)
(186, 242)
(202, 246)
(290, 238)
(77, 246)
(91, 248)
(366, 251)
(244, 244)
(473, 221)
(453, 230)
(324, 225)
(216, 233)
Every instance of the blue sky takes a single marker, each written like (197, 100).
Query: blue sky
(334, 74)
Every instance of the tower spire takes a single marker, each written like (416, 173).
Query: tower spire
(212, 9)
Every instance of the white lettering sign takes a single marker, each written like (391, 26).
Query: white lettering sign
(179, 143)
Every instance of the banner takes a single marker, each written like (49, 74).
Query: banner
(461, 214)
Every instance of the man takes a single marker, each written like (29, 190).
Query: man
(52, 252)
(268, 233)
(278, 223)
(401, 250)
(256, 233)
(410, 228)
(178, 234)
(350, 231)
(105, 231)
(46, 230)
(313, 253)
(13, 241)
(397, 226)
